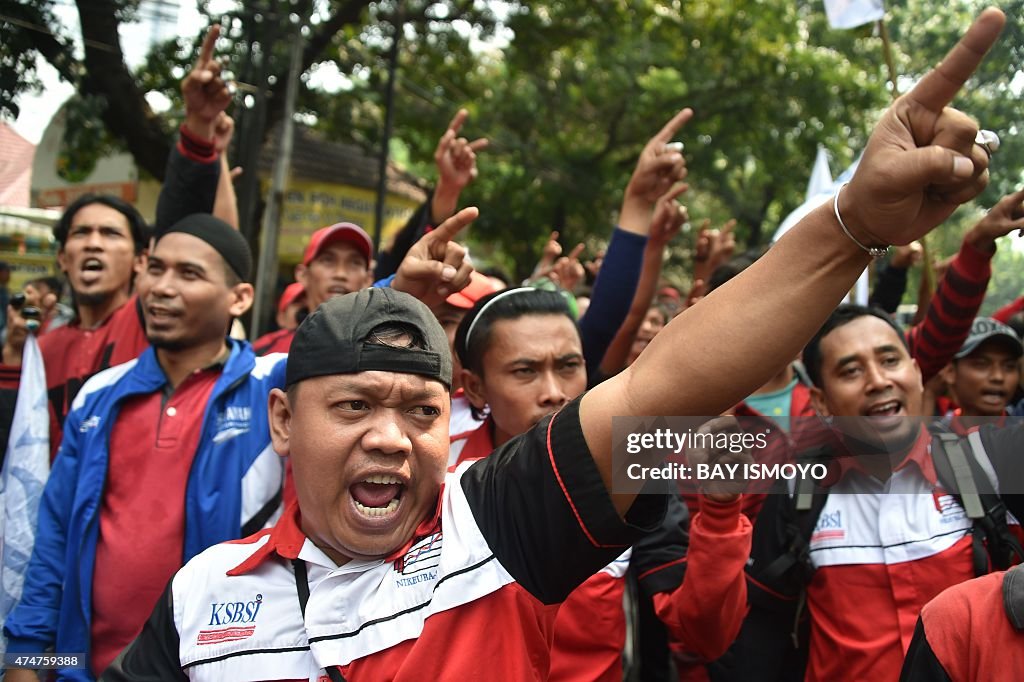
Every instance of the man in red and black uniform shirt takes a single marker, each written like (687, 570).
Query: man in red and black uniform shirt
(970, 632)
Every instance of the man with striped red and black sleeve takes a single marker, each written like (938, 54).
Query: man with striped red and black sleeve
(962, 289)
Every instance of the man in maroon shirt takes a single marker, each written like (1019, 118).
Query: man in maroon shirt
(101, 244)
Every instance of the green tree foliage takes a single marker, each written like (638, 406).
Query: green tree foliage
(25, 31)
(570, 100)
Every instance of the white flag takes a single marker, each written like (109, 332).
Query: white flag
(853, 13)
(26, 468)
(823, 194)
(821, 175)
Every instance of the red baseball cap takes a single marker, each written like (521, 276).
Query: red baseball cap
(670, 292)
(291, 293)
(478, 287)
(339, 232)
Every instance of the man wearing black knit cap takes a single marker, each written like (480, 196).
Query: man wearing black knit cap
(162, 457)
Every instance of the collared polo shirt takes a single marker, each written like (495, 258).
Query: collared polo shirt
(142, 517)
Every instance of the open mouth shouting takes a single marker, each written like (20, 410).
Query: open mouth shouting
(91, 270)
(890, 408)
(886, 416)
(993, 398)
(378, 496)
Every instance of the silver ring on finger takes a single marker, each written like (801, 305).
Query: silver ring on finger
(987, 140)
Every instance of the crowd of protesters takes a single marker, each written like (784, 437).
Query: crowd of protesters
(413, 477)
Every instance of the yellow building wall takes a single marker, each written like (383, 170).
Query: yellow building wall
(310, 205)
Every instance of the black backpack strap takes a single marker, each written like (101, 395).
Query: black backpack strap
(799, 517)
(957, 468)
(1013, 596)
(954, 464)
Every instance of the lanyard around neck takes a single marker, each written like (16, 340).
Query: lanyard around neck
(302, 587)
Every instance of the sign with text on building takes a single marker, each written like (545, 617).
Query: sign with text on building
(309, 205)
(58, 197)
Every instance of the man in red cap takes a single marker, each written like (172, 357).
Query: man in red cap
(336, 261)
(291, 302)
(291, 308)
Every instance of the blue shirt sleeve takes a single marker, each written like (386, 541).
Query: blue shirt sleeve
(612, 295)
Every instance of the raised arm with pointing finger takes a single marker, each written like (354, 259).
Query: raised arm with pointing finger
(456, 167)
(193, 168)
(666, 222)
(920, 164)
(455, 158)
(435, 266)
(659, 167)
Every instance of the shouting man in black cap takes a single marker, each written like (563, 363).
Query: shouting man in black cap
(389, 569)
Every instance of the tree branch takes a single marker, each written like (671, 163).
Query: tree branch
(55, 51)
(127, 114)
(348, 14)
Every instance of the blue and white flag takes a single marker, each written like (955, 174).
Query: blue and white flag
(853, 13)
(26, 468)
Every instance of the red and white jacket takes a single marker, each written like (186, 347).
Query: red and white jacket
(882, 551)
(472, 595)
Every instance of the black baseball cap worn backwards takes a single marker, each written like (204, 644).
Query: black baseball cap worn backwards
(333, 340)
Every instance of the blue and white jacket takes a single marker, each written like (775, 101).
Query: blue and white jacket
(234, 489)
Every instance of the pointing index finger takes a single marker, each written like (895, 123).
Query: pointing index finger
(457, 120)
(446, 231)
(940, 85)
(206, 52)
(666, 134)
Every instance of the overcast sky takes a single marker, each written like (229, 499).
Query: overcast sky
(37, 110)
